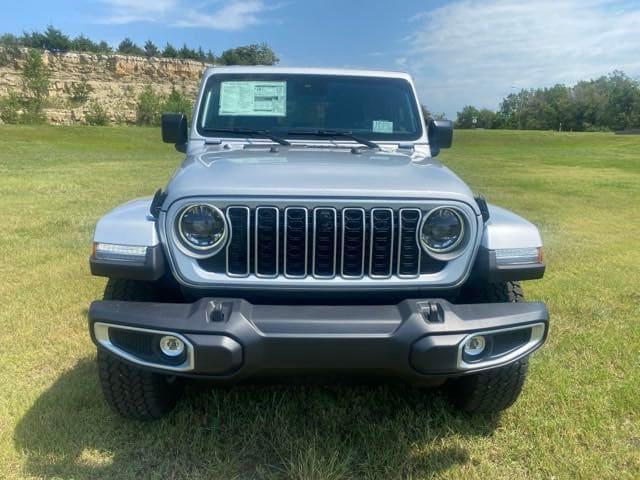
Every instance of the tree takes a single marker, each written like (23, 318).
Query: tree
(84, 44)
(200, 55)
(150, 49)
(254, 54)
(486, 119)
(128, 47)
(210, 57)
(35, 87)
(187, 53)
(169, 51)
(9, 40)
(54, 40)
(103, 47)
(465, 118)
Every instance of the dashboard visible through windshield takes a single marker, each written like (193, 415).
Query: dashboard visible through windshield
(308, 106)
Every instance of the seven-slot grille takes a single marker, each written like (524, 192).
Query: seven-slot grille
(325, 242)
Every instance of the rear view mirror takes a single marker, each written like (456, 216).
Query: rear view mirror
(440, 133)
(174, 129)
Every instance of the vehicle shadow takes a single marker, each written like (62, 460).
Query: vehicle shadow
(379, 431)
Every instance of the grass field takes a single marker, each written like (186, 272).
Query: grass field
(578, 417)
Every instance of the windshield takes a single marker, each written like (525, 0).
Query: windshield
(309, 106)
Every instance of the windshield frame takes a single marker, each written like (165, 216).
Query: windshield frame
(272, 75)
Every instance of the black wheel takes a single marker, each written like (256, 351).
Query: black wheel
(130, 391)
(496, 389)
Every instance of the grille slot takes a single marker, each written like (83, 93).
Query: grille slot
(353, 242)
(324, 242)
(325, 239)
(296, 232)
(408, 249)
(381, 243)
(238, 249)
(267, 241)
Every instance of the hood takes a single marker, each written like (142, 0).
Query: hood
(315, 172)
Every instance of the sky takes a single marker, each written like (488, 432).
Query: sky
(459, 52)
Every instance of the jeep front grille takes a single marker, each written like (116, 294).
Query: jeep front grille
(325, 242)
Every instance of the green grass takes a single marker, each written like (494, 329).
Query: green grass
(578, 417)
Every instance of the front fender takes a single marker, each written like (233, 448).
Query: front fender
(129, 225)
(505, 230)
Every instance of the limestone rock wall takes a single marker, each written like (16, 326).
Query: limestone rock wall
(115, 81)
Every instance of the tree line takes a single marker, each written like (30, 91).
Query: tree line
(55, 40)
(611, 102)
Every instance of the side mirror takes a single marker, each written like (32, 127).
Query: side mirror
(440, 133)
(174, 129)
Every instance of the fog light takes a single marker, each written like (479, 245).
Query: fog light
(171, 346)
(475, 346)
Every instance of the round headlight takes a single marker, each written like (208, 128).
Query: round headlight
(442, 230)
(202, 228)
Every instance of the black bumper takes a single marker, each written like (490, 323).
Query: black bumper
(232, 339)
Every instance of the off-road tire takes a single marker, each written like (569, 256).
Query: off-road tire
(130, 391)
(502, 292)
(496, 389)
(490, 391)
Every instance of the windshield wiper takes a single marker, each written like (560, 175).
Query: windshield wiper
(336, 133)
(250, 131)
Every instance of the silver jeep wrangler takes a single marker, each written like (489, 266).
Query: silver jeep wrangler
(311, 232)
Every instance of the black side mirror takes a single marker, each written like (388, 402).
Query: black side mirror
(440, 133)
(174, 129)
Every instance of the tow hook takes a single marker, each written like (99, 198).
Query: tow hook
(431, 312)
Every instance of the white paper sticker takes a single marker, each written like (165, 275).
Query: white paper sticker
(256, 99)
(382, 126)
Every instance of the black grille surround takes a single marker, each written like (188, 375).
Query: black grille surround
(299, 242)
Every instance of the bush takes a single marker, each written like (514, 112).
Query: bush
(96, 115)
(177, 102)
(79, 92)
(148, 111)
(10, 108)
(9, 49)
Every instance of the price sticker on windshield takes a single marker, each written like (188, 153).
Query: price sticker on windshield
(254, 99)
(382, 126)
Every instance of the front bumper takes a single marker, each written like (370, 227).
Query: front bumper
(232, 339)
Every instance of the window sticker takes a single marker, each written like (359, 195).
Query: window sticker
(256, 99)
(382, 126)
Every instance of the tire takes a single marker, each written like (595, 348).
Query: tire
(131, 291)
(493, 390)
(502, 292)
(130, 391)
